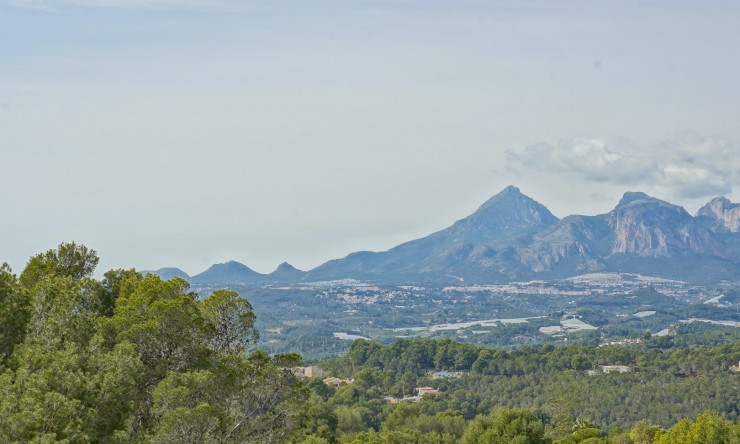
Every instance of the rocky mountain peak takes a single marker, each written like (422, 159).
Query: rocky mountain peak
(508, 194)
(511, 209)
(723, 211)
(651, 207)
(651, 227)
(633, 196)
(513, 237)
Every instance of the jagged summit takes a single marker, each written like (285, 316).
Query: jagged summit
(512, 236)
(509, 196)
(506, 212)
(724, 212)
(510, 191)
(632, 196)
(635, 199)
(641, 205)
(650, 227)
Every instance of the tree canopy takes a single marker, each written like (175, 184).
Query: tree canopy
(132, 358)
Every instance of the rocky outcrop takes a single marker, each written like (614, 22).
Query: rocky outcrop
(647, 226)
(573, 236)
(724, 212)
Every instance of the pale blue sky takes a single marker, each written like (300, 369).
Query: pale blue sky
(169, 133)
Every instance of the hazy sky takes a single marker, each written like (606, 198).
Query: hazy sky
(183, 133)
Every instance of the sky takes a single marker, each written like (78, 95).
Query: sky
(186, 133)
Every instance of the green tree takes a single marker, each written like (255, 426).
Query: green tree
(15, 312)
(69, 260)
(350, 419)
(183, 411)
(116, 282)
(134, 359)
(709, 428)
(514, 426)
(643, 432)
(232, 319)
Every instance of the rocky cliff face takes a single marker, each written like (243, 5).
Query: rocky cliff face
(726, 213)
(573, 237)
(639, 226)
(647, 226)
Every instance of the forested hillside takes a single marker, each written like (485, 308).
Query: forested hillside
(563, 388)
(135, 359)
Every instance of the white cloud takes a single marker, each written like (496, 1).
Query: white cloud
(688, 165)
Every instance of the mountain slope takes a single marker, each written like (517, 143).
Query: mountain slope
(574, 245)
(474, 247)
(641, 234)
(725, 213)
(286, 273)
(513, 237)
(231, 272)
(168, 273)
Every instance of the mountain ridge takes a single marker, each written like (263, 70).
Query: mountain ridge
(513, 237)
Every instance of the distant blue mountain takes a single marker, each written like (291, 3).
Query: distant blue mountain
(168, 273)
(513, 237)
(286, 273)
(231, 272)
(471, 247)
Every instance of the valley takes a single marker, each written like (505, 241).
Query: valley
(511, 274)
(319, 320)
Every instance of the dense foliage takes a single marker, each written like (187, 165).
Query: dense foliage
(132, 359)
(564, 389)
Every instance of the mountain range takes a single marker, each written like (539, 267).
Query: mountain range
(512, 237)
